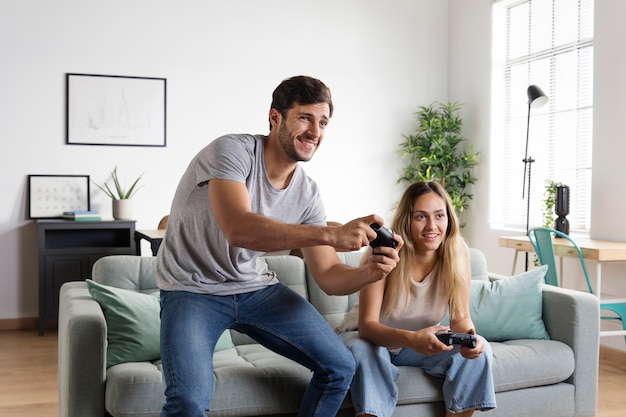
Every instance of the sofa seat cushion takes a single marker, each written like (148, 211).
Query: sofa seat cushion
(256, 381)
(252, 380)
(134, 388)
(525, 363)
(517, 364)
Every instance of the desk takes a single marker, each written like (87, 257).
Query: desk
(155, 237)
(598, 251)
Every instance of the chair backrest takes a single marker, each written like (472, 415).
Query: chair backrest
(163, 223)
(541, 239)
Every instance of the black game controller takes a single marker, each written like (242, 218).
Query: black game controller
(384, 237)
(449, 338)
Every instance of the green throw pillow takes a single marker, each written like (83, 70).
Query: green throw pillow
(133, 324)
(509, 308)
(224, 342)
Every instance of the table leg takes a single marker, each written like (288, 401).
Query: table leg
(598, 279)
(154, 246)
(514, 262)
(137, 246)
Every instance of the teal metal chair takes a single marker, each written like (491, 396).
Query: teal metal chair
(541, 239)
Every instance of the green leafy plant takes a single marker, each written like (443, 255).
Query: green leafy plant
(549, 200)
(433, 153)
(119, 192)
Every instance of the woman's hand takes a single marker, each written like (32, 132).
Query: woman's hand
(425, 341)
(470, 352)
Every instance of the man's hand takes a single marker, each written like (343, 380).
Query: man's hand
(355, 234)
(384, 259)
(337, 278)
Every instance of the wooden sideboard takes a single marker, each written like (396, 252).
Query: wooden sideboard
(67, 251)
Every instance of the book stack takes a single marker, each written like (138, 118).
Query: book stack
(82, 215)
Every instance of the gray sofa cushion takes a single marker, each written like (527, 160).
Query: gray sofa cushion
(333, 308)
(134, 388)
(127, 272)
(517, 364)
(527, 363)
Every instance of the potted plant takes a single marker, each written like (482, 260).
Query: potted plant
(433, 153)
(120, 195)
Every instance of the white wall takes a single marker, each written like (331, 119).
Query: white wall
(469, 82)
(609, 171)
(221, 60)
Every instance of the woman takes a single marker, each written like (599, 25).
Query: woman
(399, 316)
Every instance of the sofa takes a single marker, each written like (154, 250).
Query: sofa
(550, 374)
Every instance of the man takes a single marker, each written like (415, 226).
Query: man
(242, 196)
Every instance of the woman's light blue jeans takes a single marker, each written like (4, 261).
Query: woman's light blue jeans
(276, 317)
(467, 383)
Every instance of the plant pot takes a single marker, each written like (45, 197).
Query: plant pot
(123, 209)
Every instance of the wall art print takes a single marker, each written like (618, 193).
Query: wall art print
(50, 195)
(116, 110)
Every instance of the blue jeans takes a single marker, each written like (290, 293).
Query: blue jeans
(467, 383)
(276, 317)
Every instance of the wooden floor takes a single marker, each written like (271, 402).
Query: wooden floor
(28, 377)
(28, 374)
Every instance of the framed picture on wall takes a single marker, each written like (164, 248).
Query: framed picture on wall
(116, 110)
(50, 195)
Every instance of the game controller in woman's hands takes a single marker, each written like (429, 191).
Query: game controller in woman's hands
(447, 337)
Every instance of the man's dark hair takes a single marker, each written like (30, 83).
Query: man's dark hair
(300, 90)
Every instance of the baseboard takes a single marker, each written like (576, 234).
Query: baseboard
(27, 323)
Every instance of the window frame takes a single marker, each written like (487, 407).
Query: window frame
(552, 129)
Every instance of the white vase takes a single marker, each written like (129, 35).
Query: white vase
(123, 209)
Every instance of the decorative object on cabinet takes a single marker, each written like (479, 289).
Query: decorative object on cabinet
(116, 110)
(51, 195)
(121, 196)
(82, 215)
(123, 209)
(67, 252)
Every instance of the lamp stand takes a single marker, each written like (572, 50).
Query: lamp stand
(536, 98)
(528, 164)
(527, 170)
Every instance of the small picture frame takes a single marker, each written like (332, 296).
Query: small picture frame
(116, 110)
(51, 195)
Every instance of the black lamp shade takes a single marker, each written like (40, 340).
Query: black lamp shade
(536, 97)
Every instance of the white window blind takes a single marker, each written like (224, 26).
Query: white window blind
(548, 43)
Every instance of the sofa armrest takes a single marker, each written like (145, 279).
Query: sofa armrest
(82, 353)
(573, 317)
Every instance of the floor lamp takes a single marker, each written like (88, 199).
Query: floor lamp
(536, 98)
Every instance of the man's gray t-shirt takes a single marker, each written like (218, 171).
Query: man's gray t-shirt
(195, 255)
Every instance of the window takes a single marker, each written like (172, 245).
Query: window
(548, 43)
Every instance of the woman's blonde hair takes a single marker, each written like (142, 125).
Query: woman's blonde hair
(452, 253)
